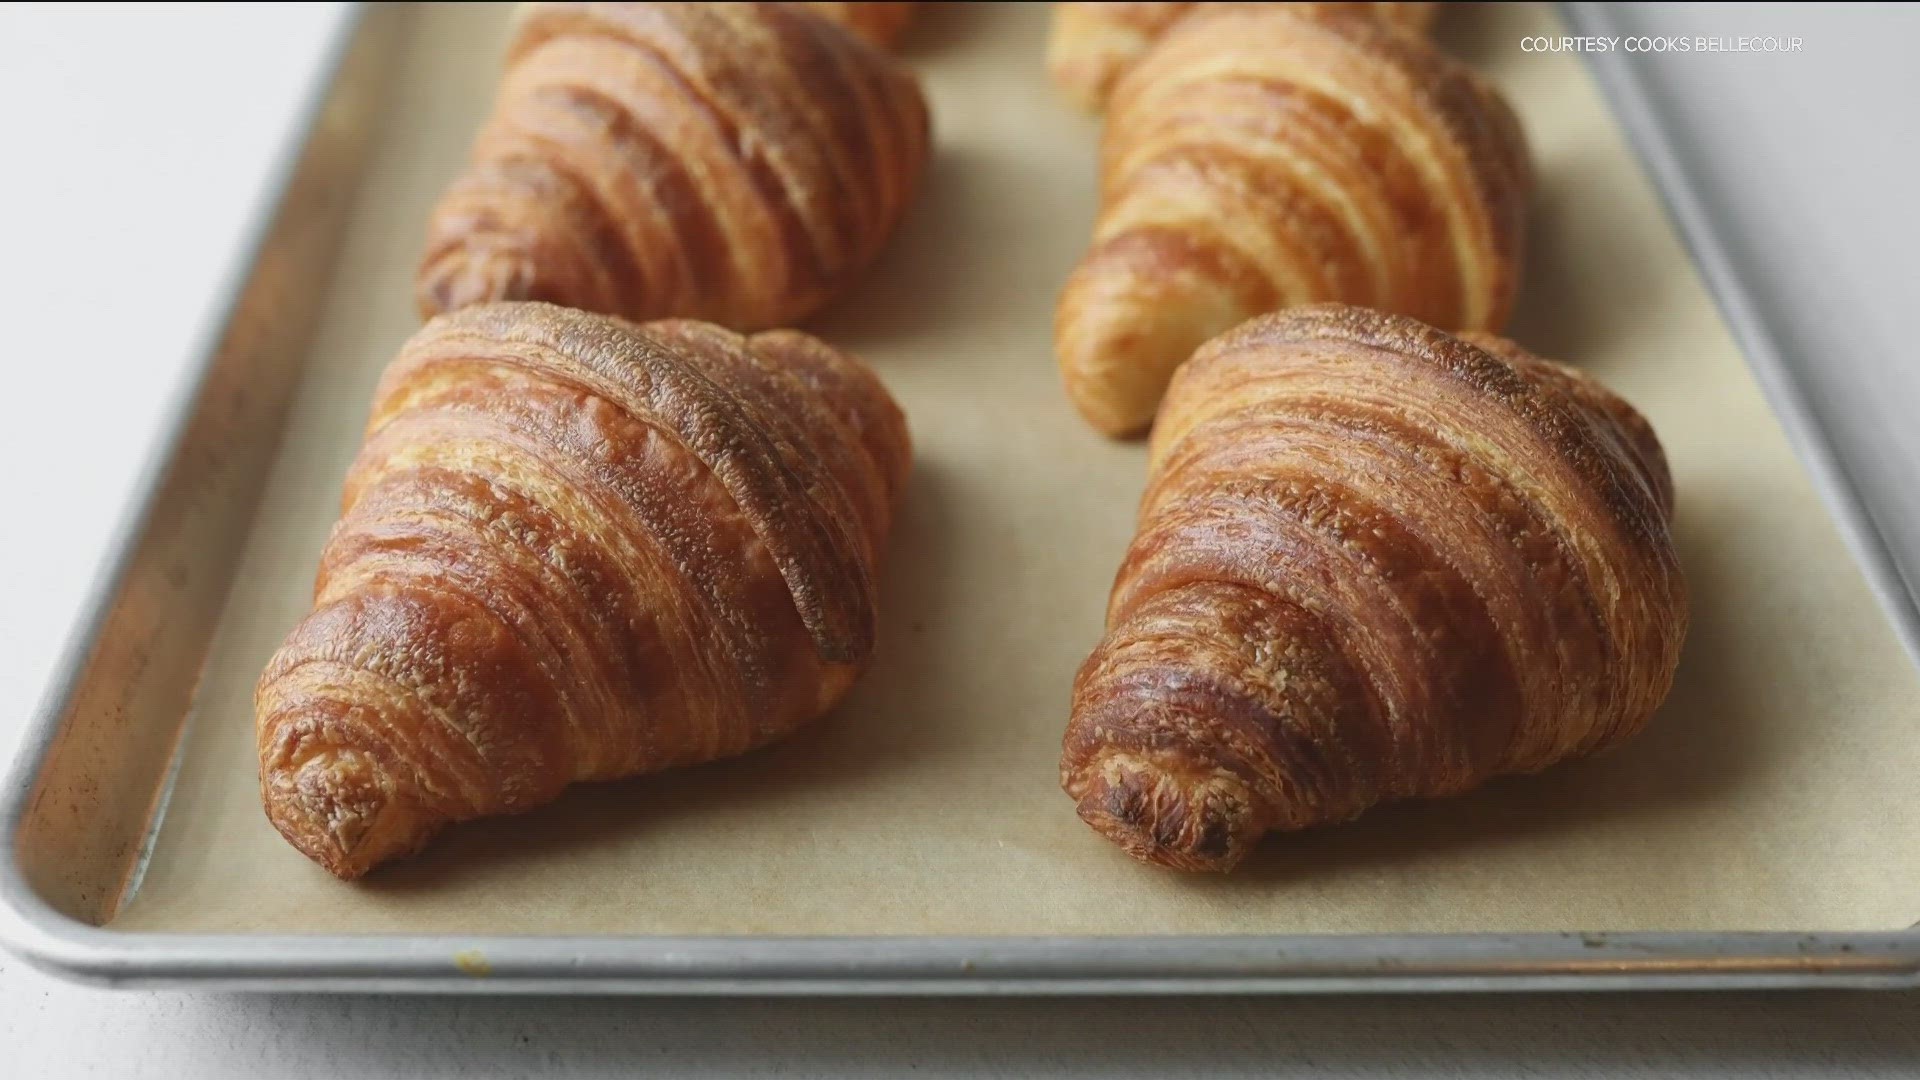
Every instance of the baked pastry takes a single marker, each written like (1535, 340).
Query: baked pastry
(1093, 44)
(1374, 561)
(573, 549)
(737, 163)
(879, 23)
(1258, 159)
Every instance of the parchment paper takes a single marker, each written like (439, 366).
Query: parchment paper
(1775, 790)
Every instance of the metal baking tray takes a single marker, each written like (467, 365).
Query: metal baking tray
(131, 853)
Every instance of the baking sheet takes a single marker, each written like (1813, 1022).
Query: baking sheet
(1773, 791)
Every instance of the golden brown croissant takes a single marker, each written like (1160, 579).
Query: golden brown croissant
(574, 549)
(877, 22)
(1258, 159)
(731, 162)
(1374, 561)
(1093, 44)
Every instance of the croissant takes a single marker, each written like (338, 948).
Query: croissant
(737, 163)
(1093, 44)
(575, 549)
(1374, 561)
(878, 23)
(1258, 159)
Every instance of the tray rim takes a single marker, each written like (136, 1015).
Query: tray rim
(1051, 964)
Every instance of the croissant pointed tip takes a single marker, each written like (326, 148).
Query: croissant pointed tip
(1168, 817)
(464, 277)
(1134, 310)
(341, 810)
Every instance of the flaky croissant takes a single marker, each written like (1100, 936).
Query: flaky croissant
(574, 549)
(738, 163)
(1259, 159)
(1374, 561)
(879, 23)
(1093, 44)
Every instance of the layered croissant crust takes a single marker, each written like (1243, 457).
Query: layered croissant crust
(1374, 561)
(879, 23)
(737, 163)
(1259, 159)
(575, 549)
(1093, 44)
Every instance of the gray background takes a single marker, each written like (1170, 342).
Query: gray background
(138, 144)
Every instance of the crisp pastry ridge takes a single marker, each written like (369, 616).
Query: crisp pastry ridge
(1092, 45)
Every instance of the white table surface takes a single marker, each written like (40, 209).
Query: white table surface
(136, 143)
